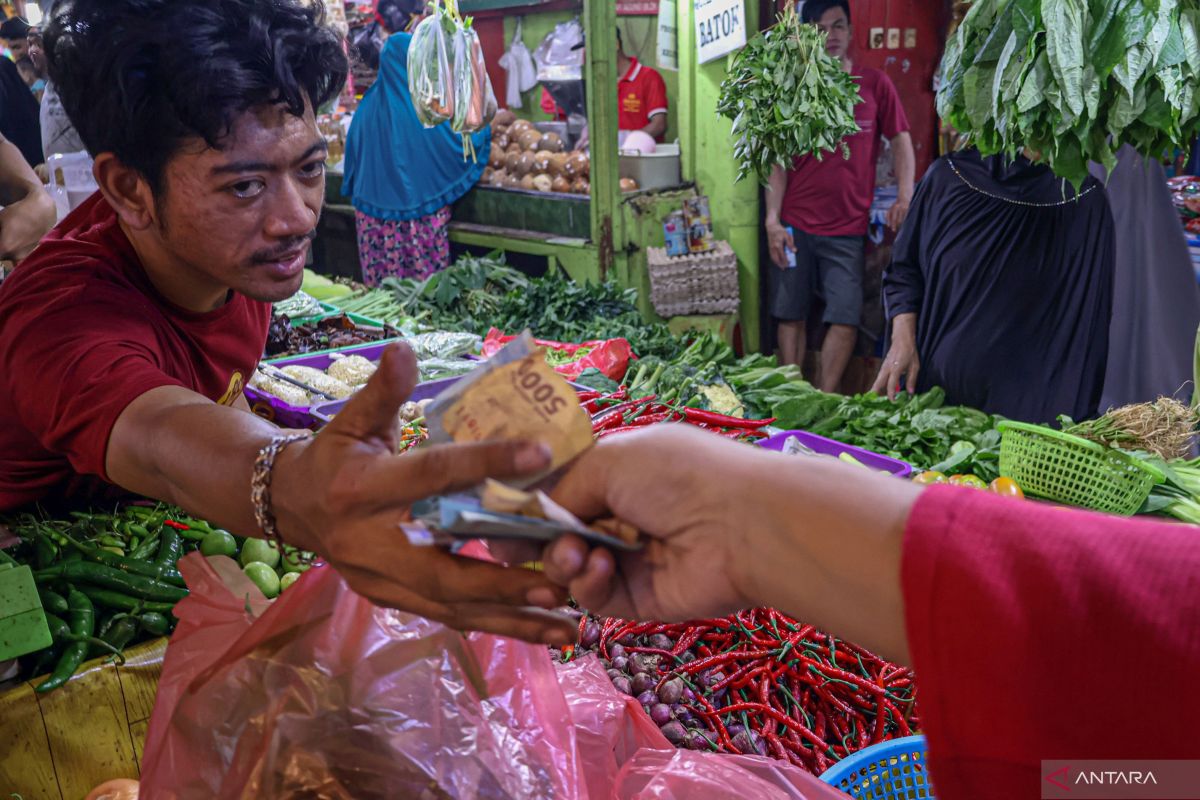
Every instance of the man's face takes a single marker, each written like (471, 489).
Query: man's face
(244, 216)
(836, 26)
(18, 47)
(37, 54)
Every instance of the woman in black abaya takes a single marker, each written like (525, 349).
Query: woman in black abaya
(1000, 290)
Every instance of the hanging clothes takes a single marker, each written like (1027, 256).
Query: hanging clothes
(1010, 273)
(518, 63)
(1156, 302)
(396, 168)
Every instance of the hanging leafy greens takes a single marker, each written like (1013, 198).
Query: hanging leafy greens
(787, 97)
(1074, 80)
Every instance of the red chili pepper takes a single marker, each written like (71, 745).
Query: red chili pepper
(584, 397)
(654, 419)
(614, 416)
(179, 526)
(723, 420)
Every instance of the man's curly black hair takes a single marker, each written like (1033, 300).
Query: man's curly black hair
(138, 78)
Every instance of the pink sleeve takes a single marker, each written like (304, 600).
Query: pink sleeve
(892, 119)
(1040, 633)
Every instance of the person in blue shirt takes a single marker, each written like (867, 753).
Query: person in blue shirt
(400, 176)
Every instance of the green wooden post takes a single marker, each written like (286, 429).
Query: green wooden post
(600, 73)
(708, 160)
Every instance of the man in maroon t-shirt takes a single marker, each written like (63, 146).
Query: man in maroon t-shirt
(127, 338)
(818, 211)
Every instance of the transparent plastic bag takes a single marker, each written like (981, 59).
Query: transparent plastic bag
(559, 57)
(430, 69)
(477, 102)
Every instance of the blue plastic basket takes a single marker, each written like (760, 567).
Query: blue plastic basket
(893, 770)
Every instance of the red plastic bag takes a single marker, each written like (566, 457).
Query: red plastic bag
(610, 356)
(322, 694)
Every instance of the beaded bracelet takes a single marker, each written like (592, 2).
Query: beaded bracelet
(260, 485)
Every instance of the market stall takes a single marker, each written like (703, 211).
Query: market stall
(616, 200)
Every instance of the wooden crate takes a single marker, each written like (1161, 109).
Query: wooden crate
(63, 744)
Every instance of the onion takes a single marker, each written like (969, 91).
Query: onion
(621, 684)
(636, 664)
(591, 634)
(674, 732)
(660, 641)
(700, 740)
(687, 657)
(646, 698)
(620, 663)
(712, 678)
(644, 682)
(660, 713)
(688, 694)
(749, 743)
(613, 674)
(616, 651)
(671, 691)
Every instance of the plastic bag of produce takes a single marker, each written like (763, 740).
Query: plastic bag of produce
(609, 356)
(322, 694)
(625, 755)
(476, 104)
(430, 76)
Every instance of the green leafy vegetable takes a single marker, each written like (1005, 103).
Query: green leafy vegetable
(787, 97)
(1074, 80)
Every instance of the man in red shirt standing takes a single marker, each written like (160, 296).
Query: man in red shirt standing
(126, 339)
(641, 97)
(818, 211)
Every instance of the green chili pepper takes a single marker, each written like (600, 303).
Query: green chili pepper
(146, 549)
(52, 602)
(121, 633)
(123, 602)
(59, 630)
(155, 624)
(129, 564)
(112, 541)
(83, 624)
(102, 575)
(170, 549)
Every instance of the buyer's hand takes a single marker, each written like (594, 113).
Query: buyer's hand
(902, 361)
(779, 241)
(691, 565)
(346, 494)
(897, 214)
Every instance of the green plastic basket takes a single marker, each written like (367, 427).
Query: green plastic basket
(1068, 469)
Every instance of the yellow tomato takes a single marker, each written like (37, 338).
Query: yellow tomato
(1007, 487)
(930, 477)
(967, 480)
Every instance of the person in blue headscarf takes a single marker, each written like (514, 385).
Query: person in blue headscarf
(400, 176)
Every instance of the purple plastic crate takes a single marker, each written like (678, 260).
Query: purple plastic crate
(287, 416)
(829, 447)
(424, 391)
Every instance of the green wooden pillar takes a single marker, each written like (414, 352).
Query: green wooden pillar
(708, 160)
(600, 23)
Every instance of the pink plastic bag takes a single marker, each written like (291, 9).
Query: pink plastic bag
(325, 695)
(321, 694)
(627, 756)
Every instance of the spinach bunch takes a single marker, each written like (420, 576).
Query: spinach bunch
(1074, 80)
(787, 97)
(464, 296)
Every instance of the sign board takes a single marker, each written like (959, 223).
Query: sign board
(636, 8)
(668, 36)
(720, 28)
